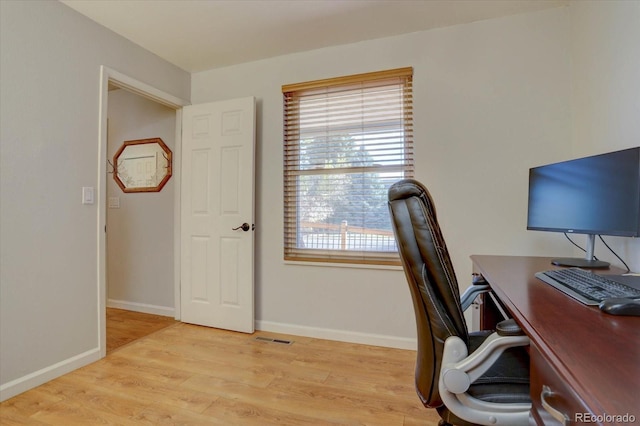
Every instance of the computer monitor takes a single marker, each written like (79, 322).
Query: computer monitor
(597, 195)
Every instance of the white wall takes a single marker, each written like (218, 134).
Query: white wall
(140, 258)
(491, 99)
(49, 80)
(605, 44)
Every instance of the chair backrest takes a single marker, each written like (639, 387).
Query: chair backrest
(431, 278)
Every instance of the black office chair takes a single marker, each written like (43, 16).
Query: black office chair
(488, 387)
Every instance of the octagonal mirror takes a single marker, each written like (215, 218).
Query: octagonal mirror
(142, 165)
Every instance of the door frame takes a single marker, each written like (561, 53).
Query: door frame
(115, 78)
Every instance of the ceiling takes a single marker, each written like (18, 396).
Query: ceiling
(227, 32)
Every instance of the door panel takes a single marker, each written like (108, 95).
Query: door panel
(217, 196)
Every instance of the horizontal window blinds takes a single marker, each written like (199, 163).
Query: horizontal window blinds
(346, 140)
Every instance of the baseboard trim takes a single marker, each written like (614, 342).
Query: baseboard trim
(339, 335)
(141, 307)
(30, 381)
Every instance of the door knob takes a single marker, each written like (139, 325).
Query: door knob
(245, 227)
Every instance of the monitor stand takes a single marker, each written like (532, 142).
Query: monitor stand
(580, 263)
(588, 262)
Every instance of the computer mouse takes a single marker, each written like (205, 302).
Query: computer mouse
(621, 306)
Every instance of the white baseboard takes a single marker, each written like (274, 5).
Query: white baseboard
(141, 307)
(339, 335)
(39, 377)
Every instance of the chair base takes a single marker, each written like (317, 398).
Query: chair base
(443, 423)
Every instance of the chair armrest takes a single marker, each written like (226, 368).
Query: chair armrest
(458, 367)
(459, 370)
(478, 286)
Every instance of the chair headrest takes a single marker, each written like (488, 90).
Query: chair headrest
(406, 188)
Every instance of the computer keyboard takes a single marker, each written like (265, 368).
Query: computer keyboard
(585, 286)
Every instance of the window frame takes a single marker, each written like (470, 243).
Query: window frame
(292, 94)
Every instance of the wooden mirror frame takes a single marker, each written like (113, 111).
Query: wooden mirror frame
(167, 154)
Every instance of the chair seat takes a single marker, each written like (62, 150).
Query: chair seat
(507, 380)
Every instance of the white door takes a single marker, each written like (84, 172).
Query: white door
(217, 199)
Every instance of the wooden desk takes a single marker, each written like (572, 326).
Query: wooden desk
(590, 360)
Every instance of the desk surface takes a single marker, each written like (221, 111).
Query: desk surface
(597, 354)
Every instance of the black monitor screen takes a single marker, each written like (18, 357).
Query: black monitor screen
(592, 195)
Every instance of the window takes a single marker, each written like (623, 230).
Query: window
(346, 140)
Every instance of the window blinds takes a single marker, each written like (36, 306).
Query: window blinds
(346, 140)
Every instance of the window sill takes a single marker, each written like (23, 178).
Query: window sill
(344, 265)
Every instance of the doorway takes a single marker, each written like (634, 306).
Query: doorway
(131, 277)
(139, 224)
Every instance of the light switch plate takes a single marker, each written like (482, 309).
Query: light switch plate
(87, 195)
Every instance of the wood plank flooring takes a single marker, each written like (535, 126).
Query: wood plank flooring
(124, 326)
(191, 375)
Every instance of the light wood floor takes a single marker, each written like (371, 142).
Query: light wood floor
(124, 327)
(191, 375)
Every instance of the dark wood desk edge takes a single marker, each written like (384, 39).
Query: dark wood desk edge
(564, 369)
(537, 341)
(522, 320)
(504, 299)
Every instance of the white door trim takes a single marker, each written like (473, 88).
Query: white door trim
(108, 75)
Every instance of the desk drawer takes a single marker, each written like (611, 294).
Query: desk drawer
(552, 398)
